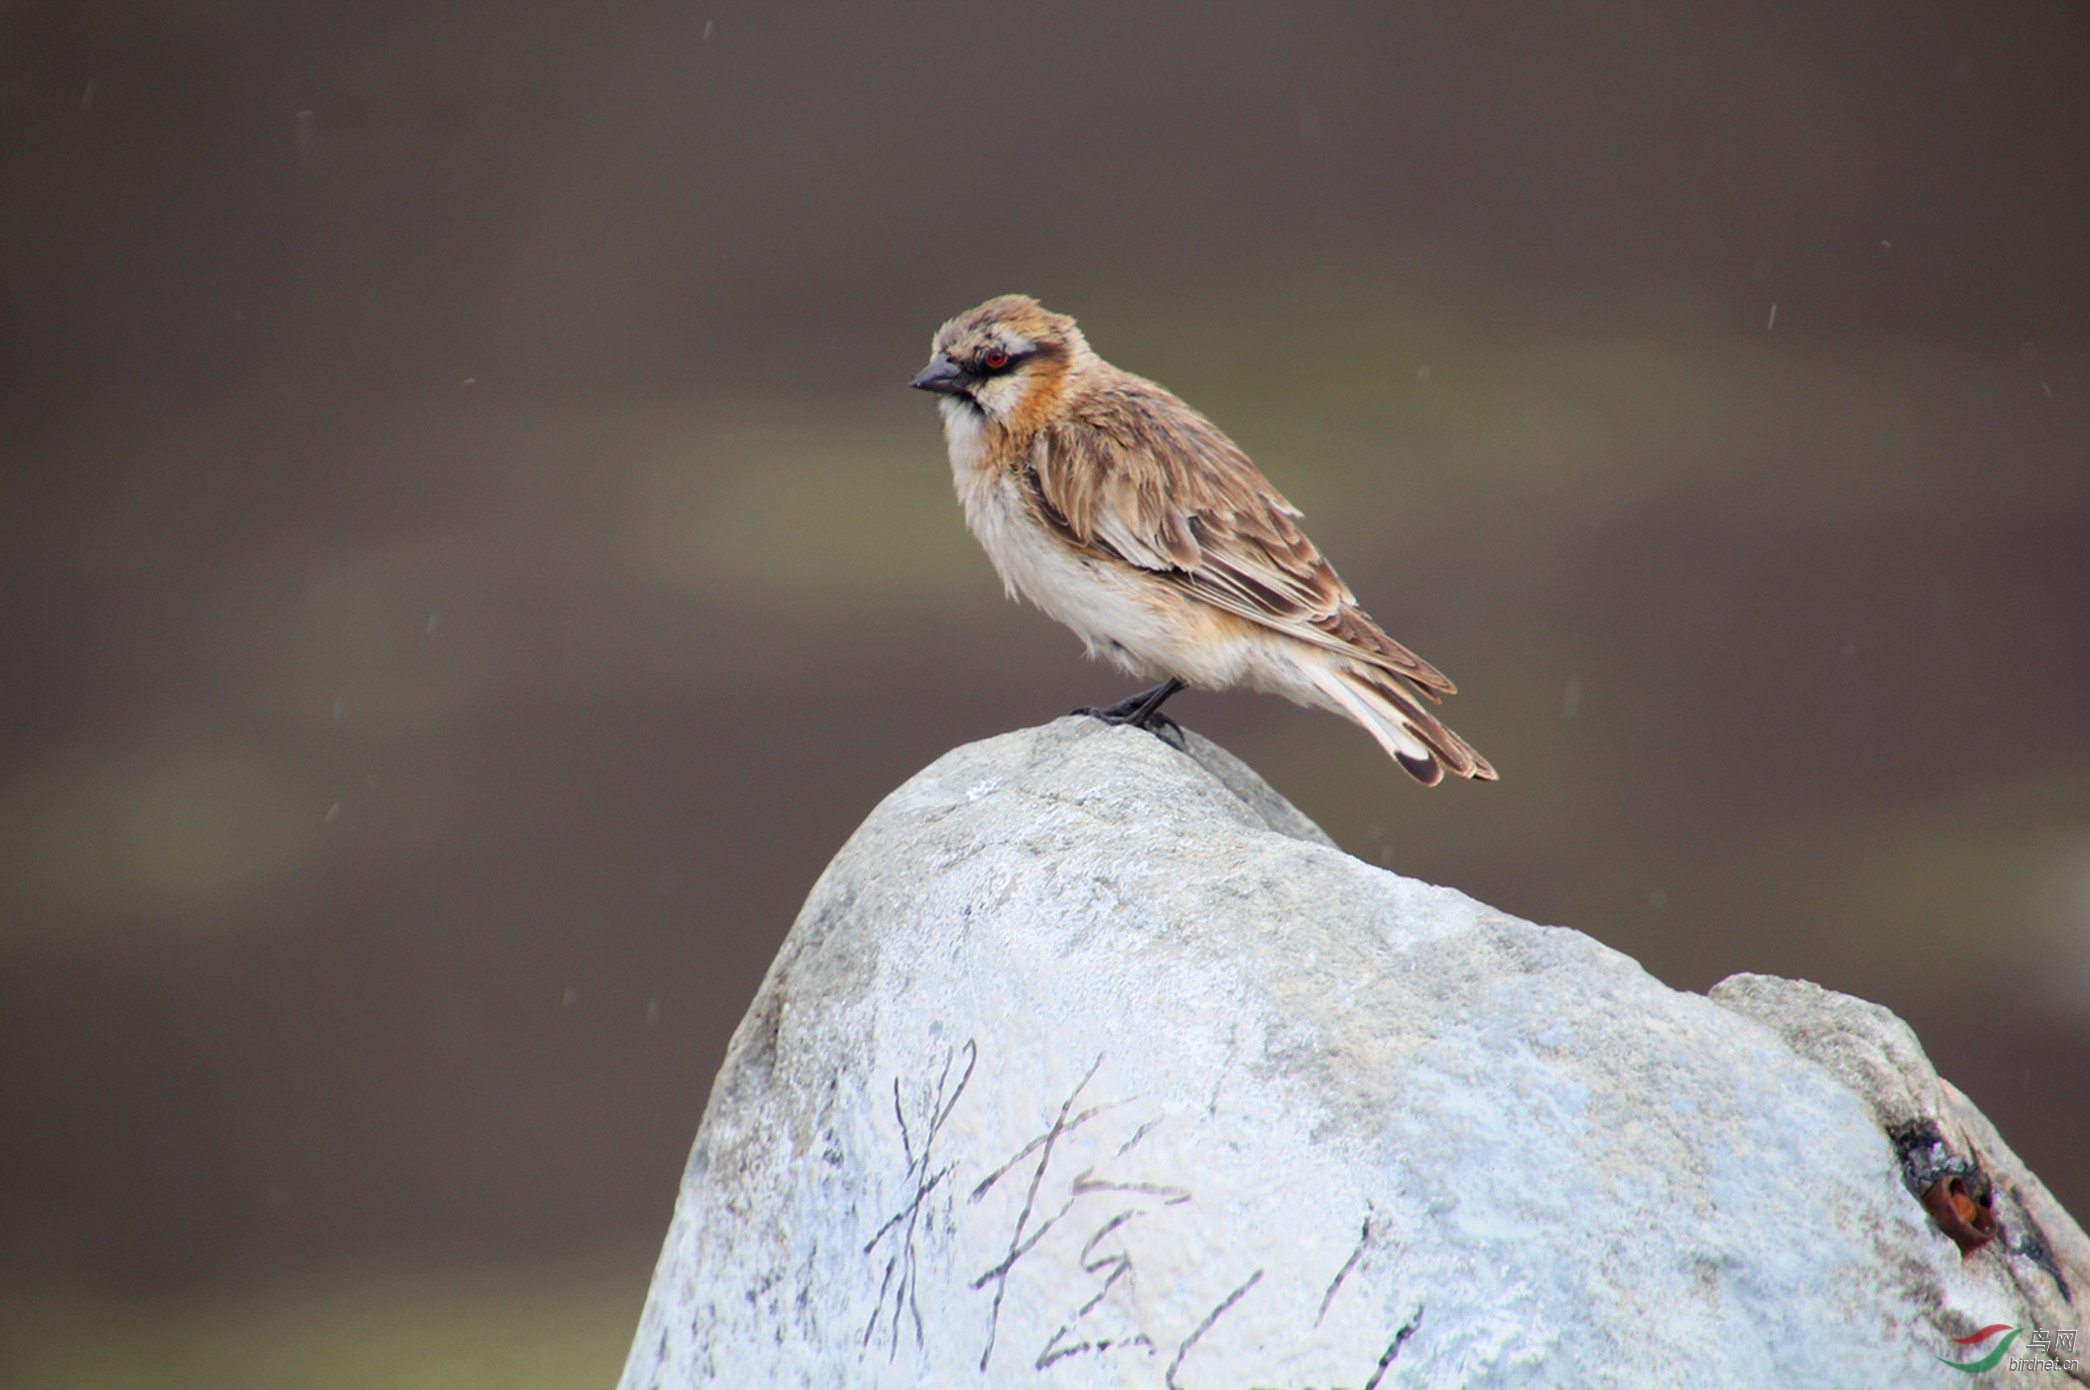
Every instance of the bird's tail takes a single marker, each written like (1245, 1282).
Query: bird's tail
(1390, 712)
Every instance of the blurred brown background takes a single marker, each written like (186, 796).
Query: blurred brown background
(470, 559)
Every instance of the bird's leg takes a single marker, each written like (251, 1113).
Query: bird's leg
(1142, 710)
(1137, 708)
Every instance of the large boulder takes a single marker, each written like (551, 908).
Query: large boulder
(1091, 1061)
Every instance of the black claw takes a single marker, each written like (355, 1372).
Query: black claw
(1167, 730)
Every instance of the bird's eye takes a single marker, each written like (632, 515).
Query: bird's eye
(995, 359)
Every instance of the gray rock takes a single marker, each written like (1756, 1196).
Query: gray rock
(1092, 1062)
(1938, 1132)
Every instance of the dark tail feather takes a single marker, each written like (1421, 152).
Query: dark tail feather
(1410, 734)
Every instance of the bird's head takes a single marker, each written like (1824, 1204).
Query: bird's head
(1005, 359)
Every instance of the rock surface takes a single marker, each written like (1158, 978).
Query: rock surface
(1092, 1062)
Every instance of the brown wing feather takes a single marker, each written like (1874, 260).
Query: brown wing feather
(1134, 472)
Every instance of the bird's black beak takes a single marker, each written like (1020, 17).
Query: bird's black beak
(942, 376)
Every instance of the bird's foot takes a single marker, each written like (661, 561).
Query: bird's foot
(1143, 711)
(1159, 725)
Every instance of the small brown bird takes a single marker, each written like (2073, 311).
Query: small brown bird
(1120, 511)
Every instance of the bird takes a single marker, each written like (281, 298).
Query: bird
(1122, 512)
